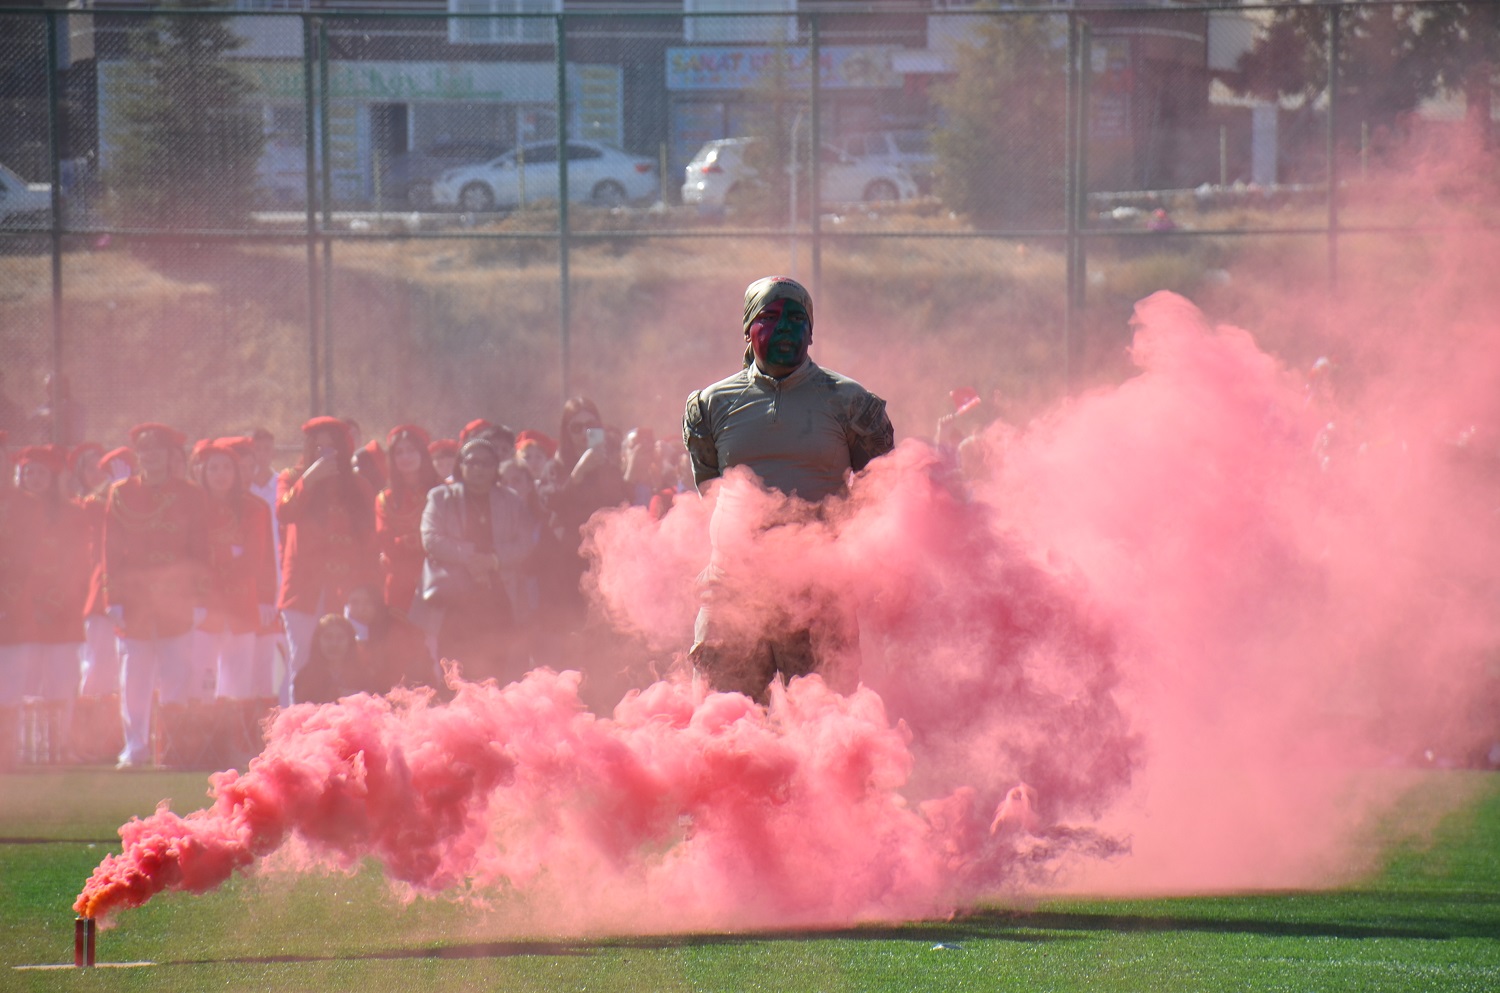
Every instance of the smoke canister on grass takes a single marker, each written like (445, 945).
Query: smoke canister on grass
(84, 931)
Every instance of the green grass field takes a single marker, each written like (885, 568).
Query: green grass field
(1429, 921)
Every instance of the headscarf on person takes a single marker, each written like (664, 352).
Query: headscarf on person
(765, 290)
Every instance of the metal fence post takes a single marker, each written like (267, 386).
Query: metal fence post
(309, 114)
(1070, 196)
(1081, 183)
(325, 103)
(563, 321)
(1333, 159)
(54, 157)
(814, 153)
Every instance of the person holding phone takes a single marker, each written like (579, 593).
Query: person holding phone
(579, 480)
(329, 515)
(802, 430)
(155, 570)
(477, 533)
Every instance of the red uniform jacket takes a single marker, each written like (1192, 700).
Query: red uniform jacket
(241, 566)
(330, 546)
(93, 511)
(153, 555)
(59, 573)
(398, 532)
(18, 524)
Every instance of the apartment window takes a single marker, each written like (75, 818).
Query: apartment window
(502, 29)
(733, 30)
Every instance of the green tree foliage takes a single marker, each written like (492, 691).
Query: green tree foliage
(1391, 58)
(187, 135)
(1000, 151)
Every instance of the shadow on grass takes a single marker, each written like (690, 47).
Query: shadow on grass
(1412, 925)
(1389, 916)
(474, 950)
(945, 932)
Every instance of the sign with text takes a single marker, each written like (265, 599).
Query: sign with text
(840, 67)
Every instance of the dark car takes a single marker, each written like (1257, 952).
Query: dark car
(407, 177)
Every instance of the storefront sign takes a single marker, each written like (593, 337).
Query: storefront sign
(840, 67)
(513, 82)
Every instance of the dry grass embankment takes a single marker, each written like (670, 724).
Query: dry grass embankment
(438, 331)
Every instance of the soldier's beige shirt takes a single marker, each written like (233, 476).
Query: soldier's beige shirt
(800, 434)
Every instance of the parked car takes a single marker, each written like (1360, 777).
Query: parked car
(719, 174)
(597, 173)
(911, 149)
(23, 204)
(407, 177)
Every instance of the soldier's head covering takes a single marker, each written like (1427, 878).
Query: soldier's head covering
(768, 288)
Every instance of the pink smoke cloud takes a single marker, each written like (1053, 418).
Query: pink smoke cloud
(683, 809)
(1190, 613)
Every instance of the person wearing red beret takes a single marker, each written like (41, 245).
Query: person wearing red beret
(97, 734)
(329, 514)
(370, 464)
(473, 429)
(398, 515)
(84, 474)
(444, 452)
(18, 524)
(154, 568)
(263, 482)
(58, 578)
(240, 600)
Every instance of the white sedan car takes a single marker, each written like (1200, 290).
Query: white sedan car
(597, 173)
(719, 174)
(21, 203)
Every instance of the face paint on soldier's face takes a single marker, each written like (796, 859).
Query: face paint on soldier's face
(780, 335)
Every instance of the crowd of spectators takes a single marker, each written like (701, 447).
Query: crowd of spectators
(159, 598)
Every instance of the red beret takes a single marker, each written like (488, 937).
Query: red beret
(443, 446)
(51, 456)
(241, 445)
(548, 445)
(116, 453)
(200, 449)
(411, 431)
(472, 428)
(89, 450)
(171, 437)
(206, 449)
(336, 425)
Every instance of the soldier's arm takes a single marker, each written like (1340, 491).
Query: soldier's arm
(869, 430)
(697, 436)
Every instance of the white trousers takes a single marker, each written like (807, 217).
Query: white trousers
(300, 629)
(54, 671)
(268, 667)
(232, 657)
(157, 665)
(15, 666)
(101, 657)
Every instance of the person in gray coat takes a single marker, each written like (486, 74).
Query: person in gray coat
(476, 533)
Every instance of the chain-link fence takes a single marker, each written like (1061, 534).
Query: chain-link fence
(231, 218)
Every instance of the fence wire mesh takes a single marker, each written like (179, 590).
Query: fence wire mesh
(476, 210)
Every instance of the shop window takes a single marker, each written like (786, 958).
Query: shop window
(710, 30)
(501, 29)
